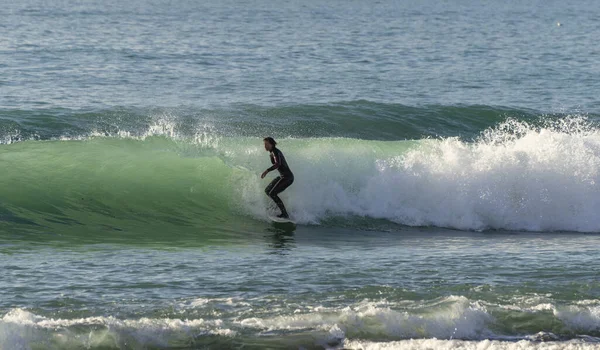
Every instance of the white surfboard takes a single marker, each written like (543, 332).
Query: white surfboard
(281, 220)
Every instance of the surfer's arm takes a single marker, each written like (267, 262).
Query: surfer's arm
(276, 162)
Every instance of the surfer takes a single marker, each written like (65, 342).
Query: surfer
(281, 182)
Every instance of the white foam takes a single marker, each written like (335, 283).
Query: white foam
(453, 317)
(516, 177)
(456, 318)
(580, 318)
(426, 344)
(228, 302)
(20, 328)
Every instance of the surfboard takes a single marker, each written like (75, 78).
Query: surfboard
(281, 220)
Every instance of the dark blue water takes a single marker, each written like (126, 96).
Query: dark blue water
(75, 54)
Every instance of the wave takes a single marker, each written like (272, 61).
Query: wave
(453, 317)
(20, 329)
(454, 322)
(518, 175)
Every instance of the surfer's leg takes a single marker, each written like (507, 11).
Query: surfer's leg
(278, 187)
(272, 185)
(279, 203)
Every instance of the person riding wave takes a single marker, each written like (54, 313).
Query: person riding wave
(281, 182)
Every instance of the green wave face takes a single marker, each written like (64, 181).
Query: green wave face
(112, 185)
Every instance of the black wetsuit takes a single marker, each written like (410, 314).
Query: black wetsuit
(281, 182)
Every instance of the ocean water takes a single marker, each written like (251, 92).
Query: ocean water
(446, 154)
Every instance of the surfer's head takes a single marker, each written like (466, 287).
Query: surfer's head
(269, 143)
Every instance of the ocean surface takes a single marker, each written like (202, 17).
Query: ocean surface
(446, 155)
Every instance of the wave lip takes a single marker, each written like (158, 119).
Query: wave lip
(358, 119)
